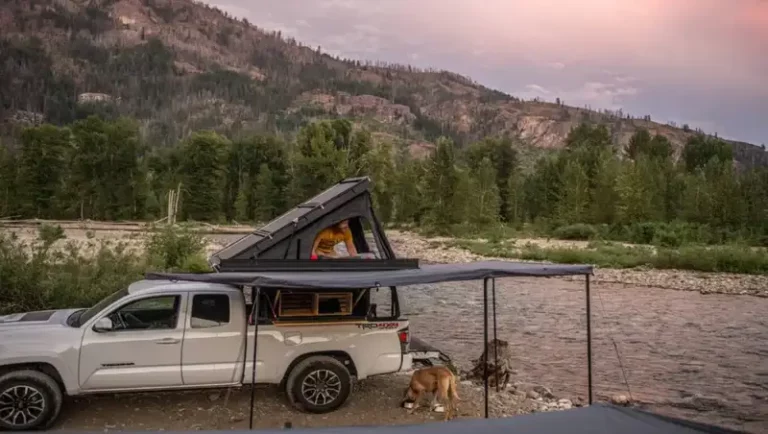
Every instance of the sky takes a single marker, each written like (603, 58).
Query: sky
(700, 62)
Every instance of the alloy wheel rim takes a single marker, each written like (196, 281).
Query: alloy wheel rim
(21, 405)
(321, 387)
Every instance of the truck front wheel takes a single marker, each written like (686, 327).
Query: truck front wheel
(319, 384)
(29, 400)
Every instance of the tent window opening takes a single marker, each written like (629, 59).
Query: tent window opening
(370, 246)
(337, 240)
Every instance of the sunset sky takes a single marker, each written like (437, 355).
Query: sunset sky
(701, 62)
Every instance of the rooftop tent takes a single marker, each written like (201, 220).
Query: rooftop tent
(291, 235)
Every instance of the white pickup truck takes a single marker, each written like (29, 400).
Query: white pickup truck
(163, 335)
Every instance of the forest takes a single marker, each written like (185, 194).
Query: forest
(101, 170)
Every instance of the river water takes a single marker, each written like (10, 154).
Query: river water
(684, 354)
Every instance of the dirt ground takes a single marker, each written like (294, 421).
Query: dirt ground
(374, 401)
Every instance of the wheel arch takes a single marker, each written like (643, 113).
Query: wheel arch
(43, 367)
(341, 356)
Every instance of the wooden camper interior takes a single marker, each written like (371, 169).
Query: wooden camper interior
(281, 306)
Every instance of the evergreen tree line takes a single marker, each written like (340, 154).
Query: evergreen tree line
(100, 169)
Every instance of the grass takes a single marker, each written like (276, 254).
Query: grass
(35, 275)
(722, 259)
(661, 234)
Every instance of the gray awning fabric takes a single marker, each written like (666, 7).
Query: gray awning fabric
(596, 419)
(370, 279)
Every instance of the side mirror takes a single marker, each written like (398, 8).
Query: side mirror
(103, 325)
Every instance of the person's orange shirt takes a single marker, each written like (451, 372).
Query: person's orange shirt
(328, 238)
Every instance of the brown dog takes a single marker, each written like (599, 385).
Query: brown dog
(438, 380)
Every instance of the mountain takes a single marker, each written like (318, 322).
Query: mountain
(180, 66)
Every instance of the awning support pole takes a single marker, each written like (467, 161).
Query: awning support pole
(256, 299)
(485, 342)
(495, 341)
(589, 343)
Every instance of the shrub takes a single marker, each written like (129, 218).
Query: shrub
(667, 239)
(642, 233)
(35, 276)
(578, 231)
(174, 249)
(724, 259)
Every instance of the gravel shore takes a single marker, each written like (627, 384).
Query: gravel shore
(438, 250)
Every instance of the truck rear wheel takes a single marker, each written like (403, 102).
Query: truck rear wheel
(29, 400)
(319, 384)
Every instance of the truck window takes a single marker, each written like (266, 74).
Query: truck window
(155, 313)
(209, 310)
(381, 306)
(101, 305)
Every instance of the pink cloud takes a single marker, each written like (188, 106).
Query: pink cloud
(711, 42)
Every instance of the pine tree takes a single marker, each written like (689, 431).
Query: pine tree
(42, 170)
(381, 171)
(408, 200)
(638, 144)
(641, 197)
(573, 198)
(442, 181)
(484, 202)
(696, 200)
(242, 205)
(603, 196)
(265, 195)
(7, 182)
(202, 173)
(515, 211)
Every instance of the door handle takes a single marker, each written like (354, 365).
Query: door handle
(167, 341)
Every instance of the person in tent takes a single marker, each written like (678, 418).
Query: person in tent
(328, 238)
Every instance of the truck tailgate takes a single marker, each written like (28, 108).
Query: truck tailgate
(427, 354)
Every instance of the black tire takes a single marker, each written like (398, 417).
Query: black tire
(37, 387)
(326, 369)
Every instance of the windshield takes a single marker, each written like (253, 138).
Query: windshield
(106, 301)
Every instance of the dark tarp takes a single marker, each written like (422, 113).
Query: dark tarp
(370, 279)
(596, 419)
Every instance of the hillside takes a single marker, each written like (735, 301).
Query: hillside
(180, 66)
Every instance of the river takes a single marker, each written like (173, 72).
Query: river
(685, 354)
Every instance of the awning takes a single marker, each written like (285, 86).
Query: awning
(370, 279)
